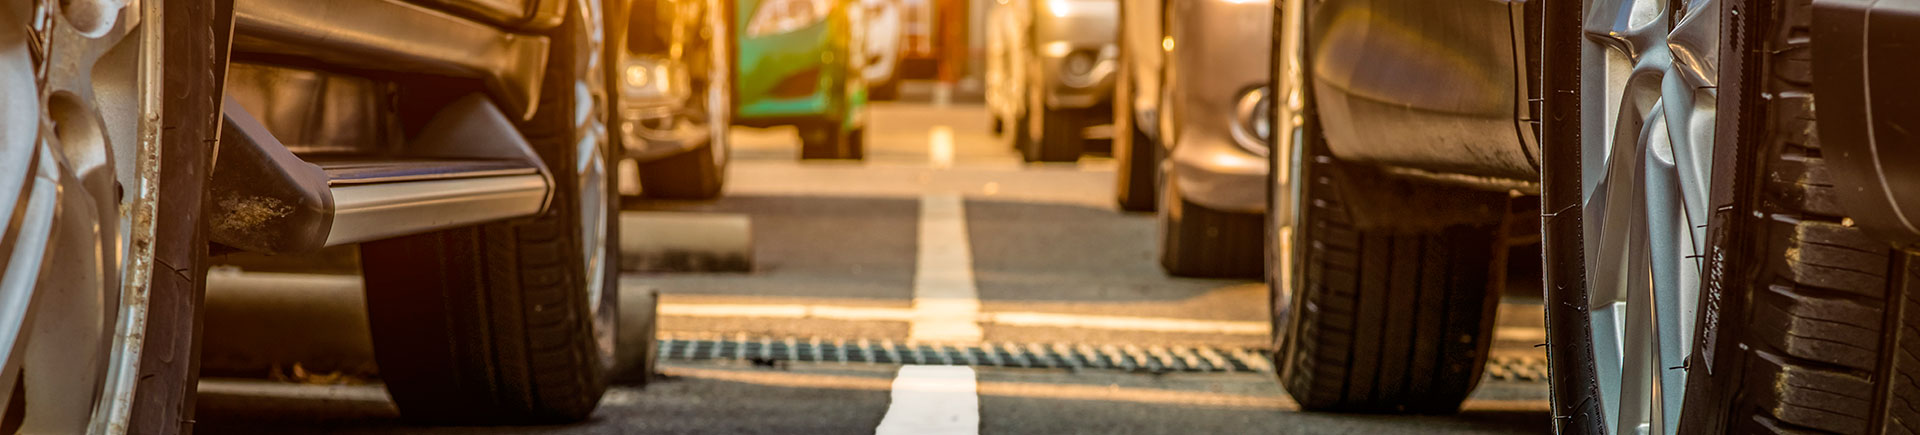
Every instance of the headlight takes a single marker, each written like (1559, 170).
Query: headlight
(1060, 8)
(1253, 123)
(1079, 63)
(781, 16)
(653, 81)
(1081, 68)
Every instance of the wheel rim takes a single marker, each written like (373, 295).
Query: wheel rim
(1287, 152)
(590, 166)
(1648, 73)
(81, 163)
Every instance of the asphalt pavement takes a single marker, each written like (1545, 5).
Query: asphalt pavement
(941, 233)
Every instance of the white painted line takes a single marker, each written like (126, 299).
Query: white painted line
(1009, 318)
(1079, 321)
(826, 312)
(933, 400)
(940, 147)
(942, 94)
(946, 304)
(964, 307)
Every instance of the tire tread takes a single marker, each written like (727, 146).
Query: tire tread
(1388, 321)
(1829, 329)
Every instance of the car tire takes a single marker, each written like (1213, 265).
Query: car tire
(1382, 313)
(1019, 136)
(826, 140)
(888, 91)
(194, 65)
(697, 173)
(1136, 153)
(499, 323)
(830, 140)
(71, 314)
(1385, 321)
(1137, 156)
(857, 148)
(1061, 138)
(1196, 241)
(1813, 324)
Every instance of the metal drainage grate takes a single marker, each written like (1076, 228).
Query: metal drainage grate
(1517, 368)
(993, 354)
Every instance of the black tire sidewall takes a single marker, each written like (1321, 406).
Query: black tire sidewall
(193, 70)
(1570, 354)
(452, 315)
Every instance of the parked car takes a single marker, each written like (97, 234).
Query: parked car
(886, 37)
(920, 48)
(1136, 103)
(1213, 128)
(1050, 73)
(456, 142)
(675, 99)
(799, 63)
(1720, 257)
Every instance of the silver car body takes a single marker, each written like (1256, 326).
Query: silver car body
(1143, 36)
(1215, 78)
(1074, 42)
(1071, 44)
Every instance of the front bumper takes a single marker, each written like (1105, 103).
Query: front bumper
(1078, 51)
(649, 139)
(1221, 56)
(1080, 86)
(789, 76)
(1218, 174)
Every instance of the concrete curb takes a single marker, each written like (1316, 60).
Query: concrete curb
(261, 322)
(685, 242)
(635, 345)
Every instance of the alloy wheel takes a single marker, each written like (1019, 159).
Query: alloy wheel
(591, 167)
(1648, 77)
(80, 164)
(1286, 155)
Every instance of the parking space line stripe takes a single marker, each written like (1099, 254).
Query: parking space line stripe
(940, 147)
(1081, 321)
(777, 311)
(942, 400)
(946, 305)
(350, 284)
(1007, 318)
